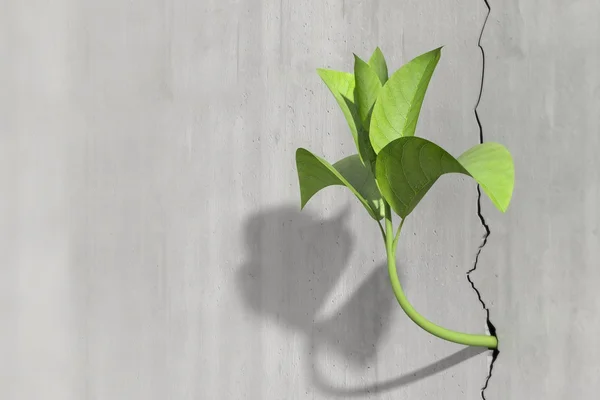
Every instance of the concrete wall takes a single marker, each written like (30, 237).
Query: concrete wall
(542, 261)
(152, 244)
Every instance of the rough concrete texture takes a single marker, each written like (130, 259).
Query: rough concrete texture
(152, 244)
(541, 274)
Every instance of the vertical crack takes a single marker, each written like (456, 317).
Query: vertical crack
(490, 326)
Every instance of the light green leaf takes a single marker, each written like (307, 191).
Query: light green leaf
(341, 85)
(408, 167)
(491, 165)
(366, 90)
(314, 174)
(377, 62)
(397, 109)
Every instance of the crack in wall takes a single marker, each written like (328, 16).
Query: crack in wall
(490, 326)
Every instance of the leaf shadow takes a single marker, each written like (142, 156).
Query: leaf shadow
(294, 263)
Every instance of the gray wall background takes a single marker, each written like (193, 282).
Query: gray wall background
(152, 245)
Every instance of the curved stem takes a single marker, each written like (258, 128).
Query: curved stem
(468, 339)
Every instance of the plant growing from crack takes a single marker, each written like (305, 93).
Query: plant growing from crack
(394, 169)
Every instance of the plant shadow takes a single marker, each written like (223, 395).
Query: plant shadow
(294, 263)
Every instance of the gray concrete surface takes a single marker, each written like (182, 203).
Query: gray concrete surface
(152, 244)
(542, 261)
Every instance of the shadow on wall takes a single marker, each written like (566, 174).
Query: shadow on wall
(294, 263)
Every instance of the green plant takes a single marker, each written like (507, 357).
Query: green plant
(394, 169)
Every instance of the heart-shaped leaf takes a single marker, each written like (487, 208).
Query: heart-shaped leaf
(397, 109)
(408, 167)
(314, 174)
(377, 62)
(342, 85)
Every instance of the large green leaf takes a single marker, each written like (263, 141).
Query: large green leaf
(377, 62)
(314, 174)
(397, 109)
(341, 85)
(408, 167)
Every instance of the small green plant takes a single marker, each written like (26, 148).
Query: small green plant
(394, 169)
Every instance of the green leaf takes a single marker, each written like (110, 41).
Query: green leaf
(363, 180)
(491, 165)
(314, 174)
(366, 90)
(397, 109)
(377, 62)
(408, 167)
(342, 85)
(363, 145)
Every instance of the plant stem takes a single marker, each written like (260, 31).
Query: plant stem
(468, 339)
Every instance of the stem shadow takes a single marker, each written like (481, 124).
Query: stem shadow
(401, 381)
